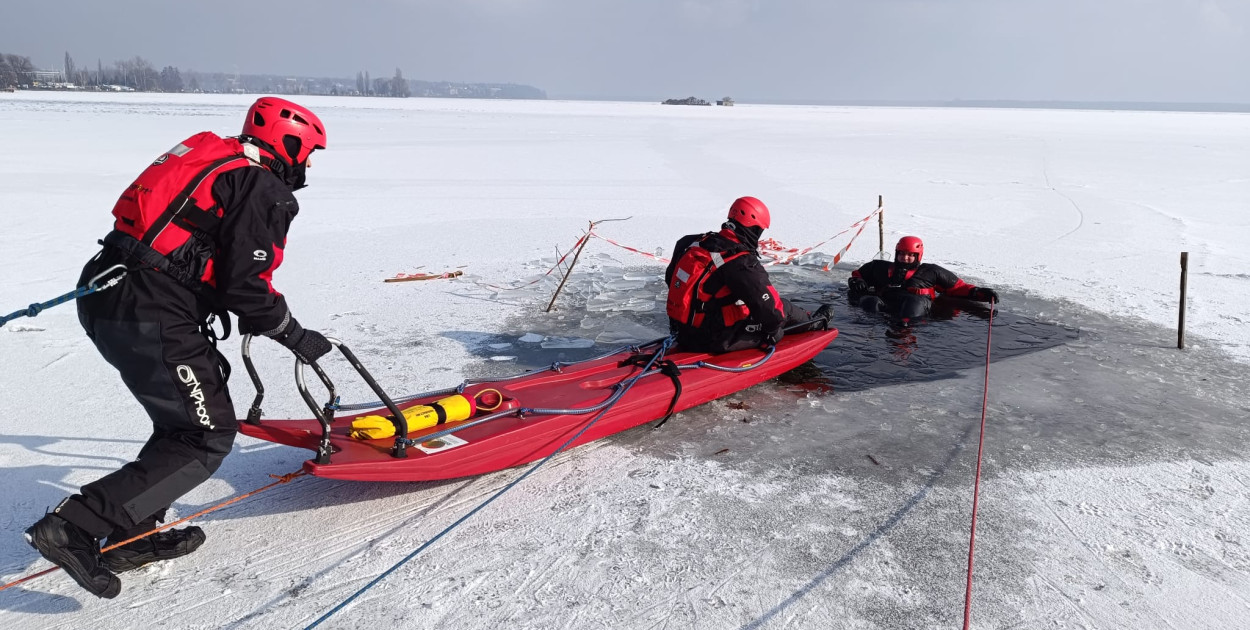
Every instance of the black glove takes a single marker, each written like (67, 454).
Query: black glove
(825, 312)
(774, 337)
(306, 345)
(856, 286)
(985, 295)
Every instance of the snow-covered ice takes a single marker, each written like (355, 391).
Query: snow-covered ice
(1115, 481)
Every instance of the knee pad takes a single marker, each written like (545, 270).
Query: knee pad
(217, 445)
(914, 306)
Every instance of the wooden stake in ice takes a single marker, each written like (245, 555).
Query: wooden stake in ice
(569, 271)
(880, 224)
(1180, 328)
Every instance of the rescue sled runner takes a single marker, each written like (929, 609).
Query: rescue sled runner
(484, 426)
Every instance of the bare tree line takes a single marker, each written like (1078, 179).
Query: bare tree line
(13, 68)
(141, 75)
(137, 73)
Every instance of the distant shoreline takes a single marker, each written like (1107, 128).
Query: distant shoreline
(1107, 106)
(1216, 108)
(1144, 106)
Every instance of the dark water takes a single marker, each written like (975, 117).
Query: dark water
(1067, 384)
(870, 351)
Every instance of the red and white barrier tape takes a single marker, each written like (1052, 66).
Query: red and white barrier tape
(842, 252)
(858, 224)
(631, 249)
(770, 248)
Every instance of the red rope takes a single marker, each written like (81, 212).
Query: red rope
(280, 480)
(976, 487)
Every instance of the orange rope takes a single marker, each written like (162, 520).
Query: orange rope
(281, 479)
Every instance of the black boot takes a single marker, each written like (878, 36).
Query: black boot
(825, 312)
(166, 545)
(76, 552)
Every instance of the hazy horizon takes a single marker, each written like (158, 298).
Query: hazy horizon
(1141, 51)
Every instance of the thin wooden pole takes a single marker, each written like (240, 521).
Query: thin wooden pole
(570, 269)
(1180, 329)
(880, 223)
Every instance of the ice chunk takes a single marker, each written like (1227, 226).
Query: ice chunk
(610, 301)
(626, 284)
(19, 328)
(624, 331)
(531, 338)
(502, 357)
(500, 346)
(567, 343)
(638, 306)
(636, 300)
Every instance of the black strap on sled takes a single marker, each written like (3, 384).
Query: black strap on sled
(667, 368)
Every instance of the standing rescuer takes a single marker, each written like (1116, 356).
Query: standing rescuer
(200, 232)
(720, 298)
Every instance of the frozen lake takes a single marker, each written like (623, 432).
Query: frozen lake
(1115, 475)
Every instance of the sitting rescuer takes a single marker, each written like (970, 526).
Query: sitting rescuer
(906, 288)
(720, 298)
(201, 231)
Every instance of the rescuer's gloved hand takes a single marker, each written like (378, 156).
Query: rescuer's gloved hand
(306, 345)
(856, 286)
(772, 338)
(985, 294)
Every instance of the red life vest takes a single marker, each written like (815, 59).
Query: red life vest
(688, 298)
(171, 203)
(928, 292)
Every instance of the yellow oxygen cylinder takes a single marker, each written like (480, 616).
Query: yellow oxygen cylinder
(450, 409)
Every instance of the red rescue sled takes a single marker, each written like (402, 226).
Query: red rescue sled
(538, 413)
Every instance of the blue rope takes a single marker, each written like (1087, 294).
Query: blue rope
(663, 349)
(35, 309)
(92, 287)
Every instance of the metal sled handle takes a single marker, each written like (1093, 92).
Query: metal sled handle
(326, 414)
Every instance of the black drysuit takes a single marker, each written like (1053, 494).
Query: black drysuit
(881, 285)
(152, 330)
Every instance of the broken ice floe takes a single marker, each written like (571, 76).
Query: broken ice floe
(566, 343)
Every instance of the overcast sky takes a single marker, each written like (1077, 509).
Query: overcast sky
(760, 50)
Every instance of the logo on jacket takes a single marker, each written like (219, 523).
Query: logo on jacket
(260, 255)
(189, 379)
(179, 150)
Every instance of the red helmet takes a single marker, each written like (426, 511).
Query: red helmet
(909, 245)
(749, 212)
(289, 129)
